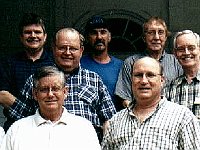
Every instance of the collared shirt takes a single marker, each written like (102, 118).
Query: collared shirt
(171, 68)
(87, 97)
(35, 133)
(184, 93)
(2, 133)
(169, 127)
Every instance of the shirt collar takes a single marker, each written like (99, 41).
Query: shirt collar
(146, 53)
(45, 54)
(182, 79)
(161, 102)
(39, 120)
(74, 72)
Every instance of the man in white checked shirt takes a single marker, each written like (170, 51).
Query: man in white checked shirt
(151, 122)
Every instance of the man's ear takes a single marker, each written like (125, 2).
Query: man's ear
(45, 37)
(109, 36)
(66, 90)
(174, 52)
(34, 93)
(144, 38)
(162, 80)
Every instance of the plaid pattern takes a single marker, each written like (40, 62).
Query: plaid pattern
(170, 127)
(171, 68)
(184, 93)
(88, 97)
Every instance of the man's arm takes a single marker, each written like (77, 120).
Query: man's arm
(22, 106)
(189, 132)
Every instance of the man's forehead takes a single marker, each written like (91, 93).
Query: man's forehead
(146, 64)
(154, 25)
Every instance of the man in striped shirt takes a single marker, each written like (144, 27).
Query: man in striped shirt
(151, 122)
(185, 90)
(155, 34)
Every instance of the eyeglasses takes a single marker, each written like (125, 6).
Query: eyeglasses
(149, 76)
(188, 47)
(54, 89)
(161, 33)
(66, 48)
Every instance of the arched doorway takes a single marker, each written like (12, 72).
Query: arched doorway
(126, 30)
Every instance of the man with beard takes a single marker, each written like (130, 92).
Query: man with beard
(185, 90)
(15, 69)
(155, 35)
(98, 38)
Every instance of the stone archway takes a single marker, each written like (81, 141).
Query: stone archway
(126, 30)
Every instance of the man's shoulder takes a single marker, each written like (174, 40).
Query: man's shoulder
(134, 57)
(87, 72)
(176, 108)
(169, 56)
(119, 115)
(23, 122)
(115, 58)
(86, 58)
(77, 120)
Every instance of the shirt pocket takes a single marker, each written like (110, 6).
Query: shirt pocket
(88, 95)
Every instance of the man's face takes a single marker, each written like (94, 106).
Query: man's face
(33, 37)
(99, 39)
(50, 93)
(147, 81)
(68, 51)
(155, 37)
(187, 51)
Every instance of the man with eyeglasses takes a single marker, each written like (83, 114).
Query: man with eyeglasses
(88, 96)
(52, 126)
(185, 90)
(151, 121)
(155, 34)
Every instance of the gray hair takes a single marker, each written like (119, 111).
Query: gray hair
(47, 71)
(185, 32)
(81, 37)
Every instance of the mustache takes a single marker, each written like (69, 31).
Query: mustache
(99, 41)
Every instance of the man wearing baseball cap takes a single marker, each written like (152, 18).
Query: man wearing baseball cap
(98, 37)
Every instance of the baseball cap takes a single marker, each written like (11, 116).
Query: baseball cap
(96, 22)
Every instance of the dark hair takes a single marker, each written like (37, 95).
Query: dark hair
(47, 71)
(29, 19)
(96, 22)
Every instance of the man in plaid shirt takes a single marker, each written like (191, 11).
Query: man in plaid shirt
(151, 122)
(88, 96)
(185, 90)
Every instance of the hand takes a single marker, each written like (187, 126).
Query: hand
(105, 126)
(126, 103)
(6, 99)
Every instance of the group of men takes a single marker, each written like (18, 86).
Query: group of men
(89, 86)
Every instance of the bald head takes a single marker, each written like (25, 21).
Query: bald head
(148, 61)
